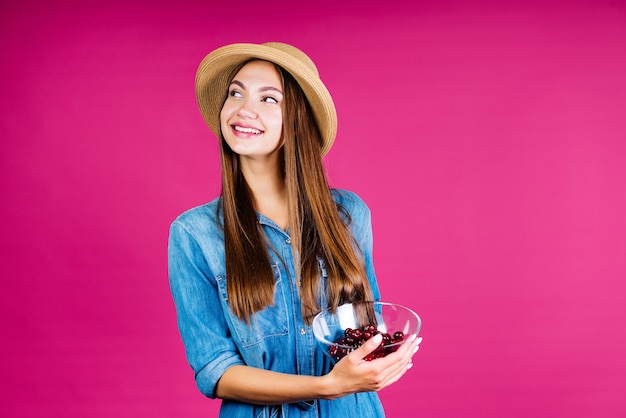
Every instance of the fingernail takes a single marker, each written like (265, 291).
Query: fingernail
(409, 366)
(418, 340)
(377, 339)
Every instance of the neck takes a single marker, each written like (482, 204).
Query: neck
(263, 178)
(268, 190)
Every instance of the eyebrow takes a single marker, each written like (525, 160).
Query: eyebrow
(262, 89)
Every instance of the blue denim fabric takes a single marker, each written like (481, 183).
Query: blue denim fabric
(278, 339)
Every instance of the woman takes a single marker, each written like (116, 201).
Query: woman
(249, 270)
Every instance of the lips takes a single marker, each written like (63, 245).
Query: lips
(247, 130)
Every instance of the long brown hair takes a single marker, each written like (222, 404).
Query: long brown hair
(317, 229)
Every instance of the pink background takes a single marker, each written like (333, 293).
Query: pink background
(489, 141)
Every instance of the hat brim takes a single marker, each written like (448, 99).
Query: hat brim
(215, 69)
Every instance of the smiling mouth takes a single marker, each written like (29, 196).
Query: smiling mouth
(247, 130)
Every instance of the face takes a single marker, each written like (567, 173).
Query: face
(251, 118)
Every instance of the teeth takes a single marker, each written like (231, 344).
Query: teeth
(247, 130)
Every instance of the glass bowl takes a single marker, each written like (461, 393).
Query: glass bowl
(351, 324)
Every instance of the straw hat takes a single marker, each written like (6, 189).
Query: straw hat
(214, 70)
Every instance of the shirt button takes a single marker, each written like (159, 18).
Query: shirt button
(302, 331)
(288, 241)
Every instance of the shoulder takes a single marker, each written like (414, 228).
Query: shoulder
(348, 200)
(201, 218)
(352, 207)
(196, 241)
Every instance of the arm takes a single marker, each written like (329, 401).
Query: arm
(219, 370)
(209, 348)
(350, 375)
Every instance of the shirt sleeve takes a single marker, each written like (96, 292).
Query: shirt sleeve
(209, 347)
(361, 227)
(367, 246)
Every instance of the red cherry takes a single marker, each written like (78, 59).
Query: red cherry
(355, 337)
(398, 335)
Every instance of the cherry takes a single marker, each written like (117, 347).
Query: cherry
(355, 337)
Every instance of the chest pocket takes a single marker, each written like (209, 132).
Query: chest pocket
(271, 321)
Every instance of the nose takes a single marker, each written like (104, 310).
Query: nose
(247, 110)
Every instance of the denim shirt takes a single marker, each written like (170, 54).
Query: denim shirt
(278, 338)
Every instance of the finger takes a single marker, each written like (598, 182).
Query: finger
(397, 372)
(412, 344)
(407, 351)
(409, 345)
(402, 359)
(418, 341)
(369, 346)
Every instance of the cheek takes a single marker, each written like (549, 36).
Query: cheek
(278, 128)
(278, 120)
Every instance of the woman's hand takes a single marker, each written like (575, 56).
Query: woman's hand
(353, 374)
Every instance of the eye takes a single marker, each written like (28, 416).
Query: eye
(234, 93)
(269, 99)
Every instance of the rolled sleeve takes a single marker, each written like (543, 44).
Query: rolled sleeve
(209, 348)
